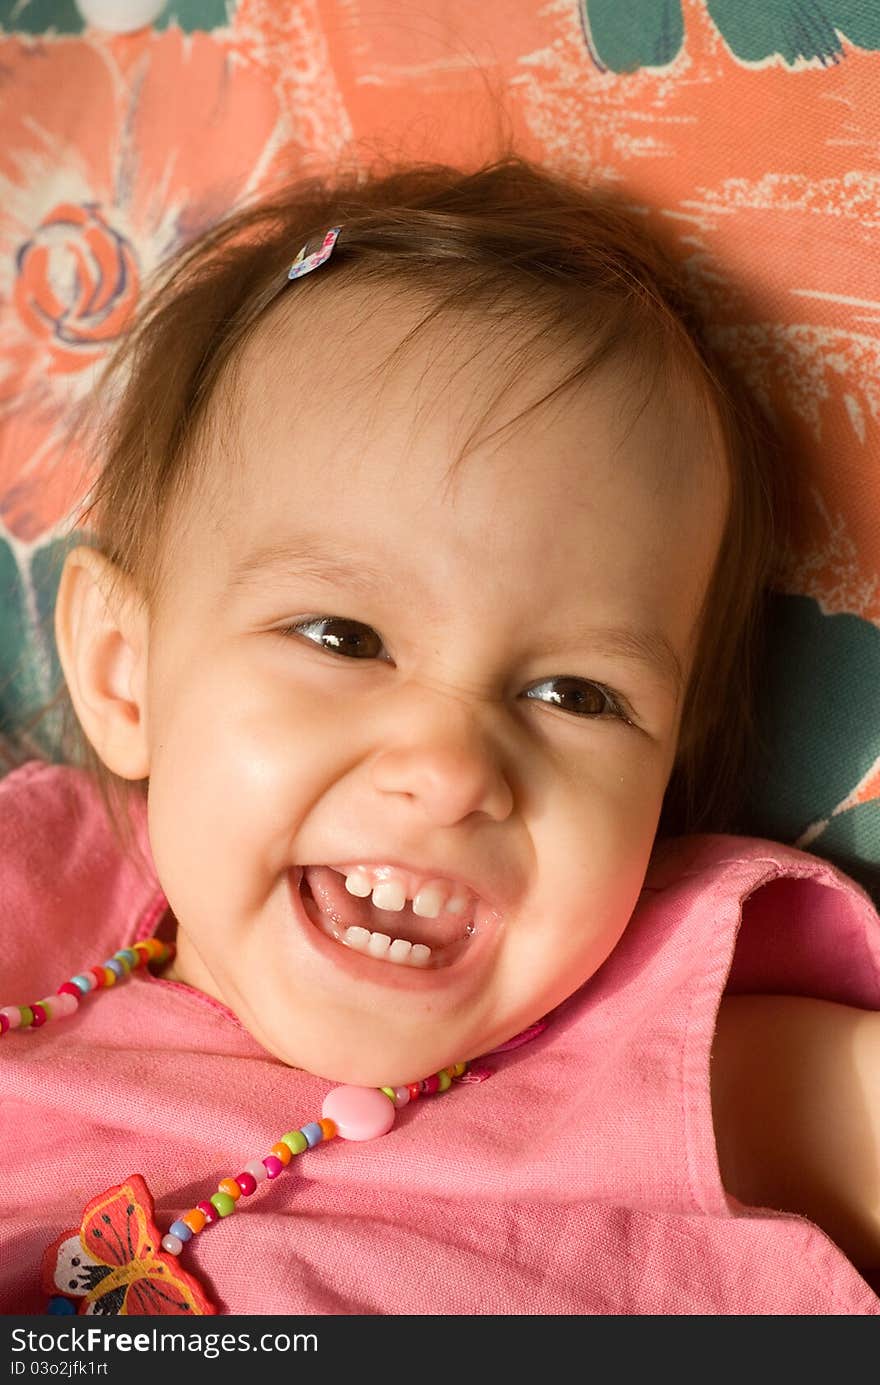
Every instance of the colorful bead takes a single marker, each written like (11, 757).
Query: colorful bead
(414, 1089)
(281, 1152)
(445, 1080)
(122, 961)
(230, 1187)
(389, 1092)
(69, 988)
(458, 1069)
(180, 1229)
(256, 1169)
(329, 1128)
(173, 1244)
(100, 977)
(195, 1219)
(360, 1113)
(223, 1203)
(83, 983)
(313, 1133)
(27, 1016)
(246, 1182)
(12, 1014)
(40, 1015)
(4, 1023)
(117, 968)
(208, 1211)
(154, 949)
(273, 1166)
(64, 1004)
(127, 954)
(401, 1096)
(430, 1084)
(295, 1140)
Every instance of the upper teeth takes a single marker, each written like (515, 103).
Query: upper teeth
(429, 901)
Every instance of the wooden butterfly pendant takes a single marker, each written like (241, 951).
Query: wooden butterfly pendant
(114, 1263)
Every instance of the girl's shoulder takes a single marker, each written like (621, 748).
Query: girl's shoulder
(743, 861)
(785, 919)
(70, 894)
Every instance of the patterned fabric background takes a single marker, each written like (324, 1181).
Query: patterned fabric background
(749, 130)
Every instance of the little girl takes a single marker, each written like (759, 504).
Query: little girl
(413, 653)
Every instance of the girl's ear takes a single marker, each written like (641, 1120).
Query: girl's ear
(101, 631)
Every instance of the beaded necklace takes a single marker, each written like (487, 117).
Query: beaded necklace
(118, 1261)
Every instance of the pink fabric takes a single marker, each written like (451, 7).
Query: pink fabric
(581, 1178)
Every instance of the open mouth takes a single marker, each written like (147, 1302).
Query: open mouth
(396, 936)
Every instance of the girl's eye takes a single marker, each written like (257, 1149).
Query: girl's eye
(354, 640)
(347, 637)
(581, 697)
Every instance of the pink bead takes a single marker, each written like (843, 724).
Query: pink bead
(257, 1170)
(61, 1005)
(39, 1014)
(68, 988)
(4, 1024)
(360, 1113)
(209, 1211)
(273, 1165)
(246, 1182)
(13, 1014)
(173, 1244)
(401, 1096)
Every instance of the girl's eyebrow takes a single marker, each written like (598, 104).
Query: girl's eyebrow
(310, 559)
(650, 648)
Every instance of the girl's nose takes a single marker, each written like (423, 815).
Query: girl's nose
(450, 769)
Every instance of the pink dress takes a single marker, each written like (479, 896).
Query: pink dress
(580, 1178)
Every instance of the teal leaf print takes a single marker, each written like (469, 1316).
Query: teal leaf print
(190, 15)
(30, 671)
(19, 684)
(63, 17)
(820, 732)
(795, 29)
(623, 35)
(852, 841)
(40, 17)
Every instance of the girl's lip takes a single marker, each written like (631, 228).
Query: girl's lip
(467, 966)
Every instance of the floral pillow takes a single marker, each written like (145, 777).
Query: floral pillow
(747, 129)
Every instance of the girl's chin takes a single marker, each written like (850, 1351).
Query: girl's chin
(368, 1070)
(346, 1060)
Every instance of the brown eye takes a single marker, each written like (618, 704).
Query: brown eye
(579, 696)
(339, 636)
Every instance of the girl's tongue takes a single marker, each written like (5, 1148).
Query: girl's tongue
(327, 889)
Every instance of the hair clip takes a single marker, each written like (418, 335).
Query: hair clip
(305, 262)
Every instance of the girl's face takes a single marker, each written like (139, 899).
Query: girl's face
(364, 662)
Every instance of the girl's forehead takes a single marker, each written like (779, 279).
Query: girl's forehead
(353, 366)
(433, 457)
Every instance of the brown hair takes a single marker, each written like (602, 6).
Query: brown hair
(552, 254)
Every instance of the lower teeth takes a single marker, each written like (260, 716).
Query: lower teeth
(398, 950)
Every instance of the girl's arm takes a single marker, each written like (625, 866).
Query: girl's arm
(796, 1109)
